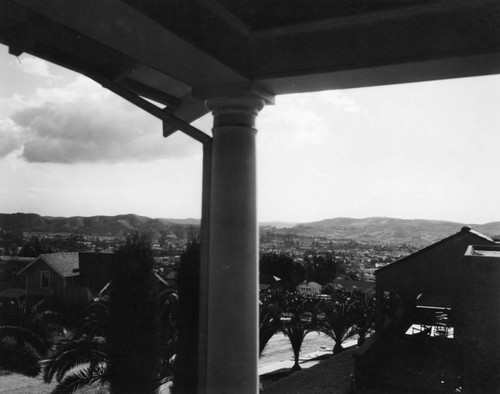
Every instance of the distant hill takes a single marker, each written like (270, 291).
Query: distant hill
(278, 224)
(116, 226)
(375, 229)
(383, 229)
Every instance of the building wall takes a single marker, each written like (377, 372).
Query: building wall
(75, 293)
(309, 288)
(480, 300)
(33, 281)
(95, 270)
(479, 322)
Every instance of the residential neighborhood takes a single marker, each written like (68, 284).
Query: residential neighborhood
(394, 299)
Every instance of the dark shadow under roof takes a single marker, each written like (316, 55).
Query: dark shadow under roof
(176, 52)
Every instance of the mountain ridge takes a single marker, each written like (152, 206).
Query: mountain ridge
(386, 229)
(371, 229)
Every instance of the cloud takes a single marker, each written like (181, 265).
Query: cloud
(83, 122)
(37, 67)
(11, 138)
(307, 118)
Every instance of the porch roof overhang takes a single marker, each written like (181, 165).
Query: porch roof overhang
(176, 53)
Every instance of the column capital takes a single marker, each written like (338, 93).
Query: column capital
(236, 109)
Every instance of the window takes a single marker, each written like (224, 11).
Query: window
(45, 279)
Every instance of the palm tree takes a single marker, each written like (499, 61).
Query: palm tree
(21, 350)
(26, 338)
(300, 317)
(364, 308)
(78, 363)
(270, 314)
(339, 320)
(116, 345)
(168, 304)
(82, 359)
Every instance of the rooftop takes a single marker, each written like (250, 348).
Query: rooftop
(65, 264)
(483, 251)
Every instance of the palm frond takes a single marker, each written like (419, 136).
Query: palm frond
(23, 335)
(82, 378)
(36, 307)
(97, 305)
(19, 358)
(93, 326)
(96, 321)
(93, 357)
(73, 353)
(47, 316)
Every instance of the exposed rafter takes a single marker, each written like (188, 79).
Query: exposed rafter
(152, 109)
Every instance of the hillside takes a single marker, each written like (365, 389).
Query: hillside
(375, 229)
(116, 226)
(390, 230)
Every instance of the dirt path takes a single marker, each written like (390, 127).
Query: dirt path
(13, 384)
(329, 376)
(19, 384)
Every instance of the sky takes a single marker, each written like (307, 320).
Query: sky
(69, 147)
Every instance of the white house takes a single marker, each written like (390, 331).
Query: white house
(309, 288)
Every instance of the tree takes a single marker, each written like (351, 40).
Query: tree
(88, 350)
(187, 320)
(26, 336)
(339, 319)
(132, 336)
(300, 317)
(284, 267)
(168, 335)
(127, 353)
(89, 353)
(320, 268)
(364, 309)
(33, 248)
(270, 314)
(21, 350)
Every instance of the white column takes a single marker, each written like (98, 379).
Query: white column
(232, 321)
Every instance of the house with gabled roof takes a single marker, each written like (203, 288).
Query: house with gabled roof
(351, 285)
(309, 288)
(437, 317)
(72, 278)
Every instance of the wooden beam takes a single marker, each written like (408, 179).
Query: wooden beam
(167, 117)
(151, 93)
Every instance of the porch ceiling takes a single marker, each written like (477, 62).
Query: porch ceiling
(178, 52)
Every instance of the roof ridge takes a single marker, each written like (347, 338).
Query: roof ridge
(463, 230)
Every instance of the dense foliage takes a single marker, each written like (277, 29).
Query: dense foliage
(126, 341)
(133, 341)
(292, 271)
(139, 339)
(187, 320)
(284, 267)
(300, 317)
(320, 268)
(27, 334)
